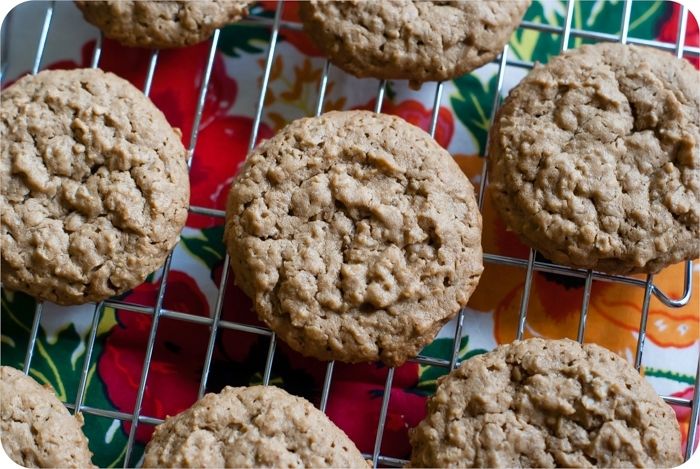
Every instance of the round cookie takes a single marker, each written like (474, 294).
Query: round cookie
(594, 159)
(546, 403)
(161, 24)
(37, 430)
(94, 186)
(414, 40)
(257, 426)
(356, 235)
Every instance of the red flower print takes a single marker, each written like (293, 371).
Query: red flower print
(237, 346)
(683, 416)
(414, 112)
(221, 149)
(298, 39)
(238, 308)
(356, 399)
(176, 366)
(668, 32)
(176, 82)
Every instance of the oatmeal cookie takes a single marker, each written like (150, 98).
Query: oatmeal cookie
(356, 235)
(37, 430)
(414, 40)
(594, 159)
(161, 24)
(94, 186)
(257, 426)
(546, 403)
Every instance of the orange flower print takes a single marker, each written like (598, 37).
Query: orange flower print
(555, 300)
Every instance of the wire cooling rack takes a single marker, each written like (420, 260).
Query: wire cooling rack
(530, 264)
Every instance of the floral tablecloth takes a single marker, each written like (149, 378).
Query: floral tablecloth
(672, 346)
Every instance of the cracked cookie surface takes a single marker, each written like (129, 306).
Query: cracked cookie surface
(415, 40)
(94, 186)
(546, 403)
(161, 24)
(594, 159)
(356, 235)
(257, 426)
(37, 430)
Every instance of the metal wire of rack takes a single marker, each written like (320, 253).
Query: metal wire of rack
(530, 265)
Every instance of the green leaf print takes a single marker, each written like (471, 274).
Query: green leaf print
(441, 348)
(209, 247)
(605, 17)
(17, 316)
(646, 16)
(107, 439)
(531, 45)
(601, 16)
(236, 39)
(55, 362)
(59, 363)
(472, 105)
(672, 375)
(390, 93)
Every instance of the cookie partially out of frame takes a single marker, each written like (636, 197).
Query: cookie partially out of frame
(356, 235)
(415, 40)
(594, 159)
(257, 426)
(94, 186)
(546, 403)
(37, 430)
(161, 24)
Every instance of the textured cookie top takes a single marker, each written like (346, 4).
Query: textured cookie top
(257, 426)
(37, 430)
(546, 403)
(595, 159)
(161, 24)
(94, 186)
(414, 40)
(356, 235)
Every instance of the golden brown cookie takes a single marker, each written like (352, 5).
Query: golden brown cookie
(414, 40)
(546, 403)
(94, 186)
(257, 426)
(594, 159)
(161, 24)
(356, 235)
(37, 430)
